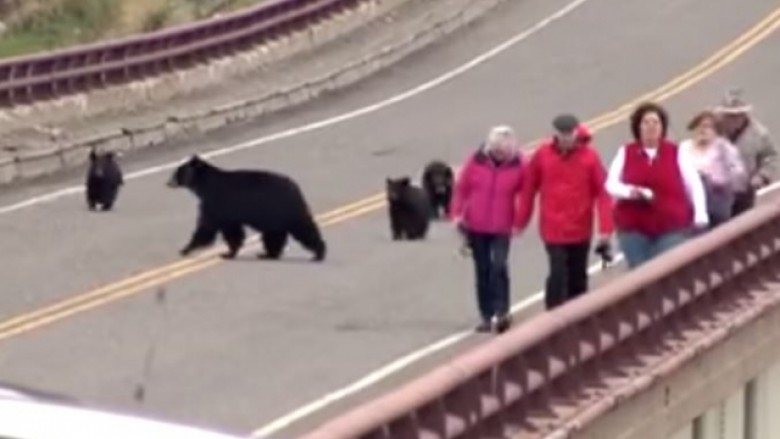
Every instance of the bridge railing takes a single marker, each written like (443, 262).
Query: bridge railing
(526, 383)
(38, 77)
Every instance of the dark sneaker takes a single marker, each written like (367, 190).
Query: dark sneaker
(485, 326)
(503, 324)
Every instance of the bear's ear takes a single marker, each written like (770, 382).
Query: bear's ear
(92, 155)
(404, 181)
(196, 162)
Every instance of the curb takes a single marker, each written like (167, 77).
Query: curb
(64, 156)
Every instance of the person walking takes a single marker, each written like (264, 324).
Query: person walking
(659, 195)
(567, 173)
(483, 206)
(755, 145)
(718, 162)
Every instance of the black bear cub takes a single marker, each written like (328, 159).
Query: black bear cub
(409, 208)
(437, 180)
(270, 203)
(104, 178)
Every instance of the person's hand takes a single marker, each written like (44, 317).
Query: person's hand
(641, 193)
(701, 222)
(757, 182)
(604, 249)
(464, 247)
(635, 193)
(604, 240)
(457, 222)
(459, 227)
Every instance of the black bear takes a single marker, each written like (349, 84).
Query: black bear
(270, 203)
(104, 177)
(437, 180)
(409, 208)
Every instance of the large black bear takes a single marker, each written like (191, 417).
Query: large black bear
(270, 203)
(437, 180)
(409, 208)
(104, 178)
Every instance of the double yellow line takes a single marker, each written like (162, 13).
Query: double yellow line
(159, 276)
(162, 275)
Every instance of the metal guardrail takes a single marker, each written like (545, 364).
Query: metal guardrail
(39, 77)
(538, 379)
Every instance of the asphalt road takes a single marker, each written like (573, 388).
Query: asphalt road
(247, 341)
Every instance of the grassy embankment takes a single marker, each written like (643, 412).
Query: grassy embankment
(29, 26)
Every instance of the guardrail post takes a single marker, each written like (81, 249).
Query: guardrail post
(763, 405)
(724, 421)
(685, 433)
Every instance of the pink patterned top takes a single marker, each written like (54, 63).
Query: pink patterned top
(718, 163)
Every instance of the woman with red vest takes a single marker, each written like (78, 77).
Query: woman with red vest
(660, 196)
(566, 171)
(483, 206)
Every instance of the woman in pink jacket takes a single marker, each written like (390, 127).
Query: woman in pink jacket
(484, 206)
(719, 164)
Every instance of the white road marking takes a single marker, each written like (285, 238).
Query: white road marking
(444, 78)
(378, 375)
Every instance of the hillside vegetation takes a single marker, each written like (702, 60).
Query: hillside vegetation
(28, 26)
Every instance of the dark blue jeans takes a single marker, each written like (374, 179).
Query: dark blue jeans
(491, 254)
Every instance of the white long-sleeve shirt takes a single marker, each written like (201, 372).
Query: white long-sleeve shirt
(691, 179)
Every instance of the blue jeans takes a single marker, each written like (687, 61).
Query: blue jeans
(491, 253)
(639, 248)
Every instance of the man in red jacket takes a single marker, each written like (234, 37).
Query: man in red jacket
(567, 173)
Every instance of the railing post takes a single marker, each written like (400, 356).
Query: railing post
(750, 408)
(685, 433)
(763, 403)
(726, 420)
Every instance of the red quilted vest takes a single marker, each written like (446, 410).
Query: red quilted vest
(670, 209)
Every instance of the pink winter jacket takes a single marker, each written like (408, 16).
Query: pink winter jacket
(486, 195)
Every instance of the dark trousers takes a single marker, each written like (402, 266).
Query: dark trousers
(720, 205)
(491, 254)
(568, 275)
(743, 201)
